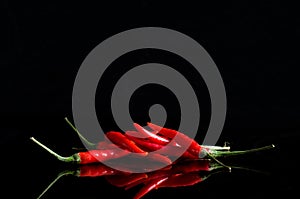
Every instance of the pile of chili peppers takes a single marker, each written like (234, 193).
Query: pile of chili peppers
(185, 171)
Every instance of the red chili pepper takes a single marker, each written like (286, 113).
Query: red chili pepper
(151, 136)
(122, 141)
(143, 143)
(192, 152)
(195, 149)
(160, 158)
(87, 157)
(147, 145)
(167, 135)
(182, 139)
(94, 156)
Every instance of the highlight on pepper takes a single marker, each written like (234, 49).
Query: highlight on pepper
(185, 171)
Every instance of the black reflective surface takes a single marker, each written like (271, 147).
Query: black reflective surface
(252, 43)
(265, 175)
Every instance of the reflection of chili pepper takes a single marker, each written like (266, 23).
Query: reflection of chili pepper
(186, 174)
(181, 180)
(151, 180)
(90, 170)
(180, 174)
(188, 166)
(122, 181)
(87, 157)
(150, 185)
(96, 170)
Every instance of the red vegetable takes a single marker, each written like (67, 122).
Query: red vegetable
(149, 146)
(161, 136)
(151, 136)
(159, 139)
(94, 156)
(122, 141)
(88, 157)
(182, 139)
(143, 143)
(198, 150)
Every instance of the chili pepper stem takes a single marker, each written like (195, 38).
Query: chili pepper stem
(217, 161)
(232, 153)
(218, 148)
(73, 158)
(61, 174)
(79, 134)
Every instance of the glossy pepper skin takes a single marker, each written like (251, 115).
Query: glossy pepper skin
(162, 136)
(123, 142)
(166, 141)
(96, 170)
(95, 156)
(149, 146)
(184, 173)
(87, 157)
(181, 138)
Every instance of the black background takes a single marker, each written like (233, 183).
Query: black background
(254, 44)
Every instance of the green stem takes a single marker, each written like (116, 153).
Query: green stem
(232, 153)
(217, 161)
(73, 158)
(214, 172)
(79, 134)
(64, 173)
(218, 148)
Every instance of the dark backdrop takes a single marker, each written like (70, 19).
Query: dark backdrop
(254, 44)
